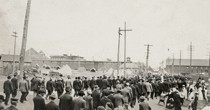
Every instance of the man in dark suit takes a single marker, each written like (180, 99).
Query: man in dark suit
(143, 105)
(49, 87)
(8, 89)
(66, 100)
(105, 99)
(105, 83)
(92, 83)
(177, 101)
(39, 103)
(79, 103)
(85, 83)
(75, 86)
(133, 100)
(52, 105)
(59, 87)
(96, 97)
(15, 85)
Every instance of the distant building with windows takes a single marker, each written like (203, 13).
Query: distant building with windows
(67, 57)
(197, 66)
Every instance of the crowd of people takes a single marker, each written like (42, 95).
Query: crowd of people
(105, 93)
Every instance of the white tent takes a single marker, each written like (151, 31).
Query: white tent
(110, 72)
(65, 70)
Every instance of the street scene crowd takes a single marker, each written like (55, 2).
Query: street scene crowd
(104, 93)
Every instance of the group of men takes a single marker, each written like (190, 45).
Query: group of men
(98, 93)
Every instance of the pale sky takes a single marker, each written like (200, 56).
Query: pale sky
(89, 27)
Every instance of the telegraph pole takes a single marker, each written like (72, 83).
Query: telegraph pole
(147, 57)
(180, 61)
(190, 56)
(24, 40)
(173, 65)
(209, 73)
(13, 66)
(118, 52)
(125, 30)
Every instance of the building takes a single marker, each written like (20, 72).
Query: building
(36, 55)
(197, 66)
(67, 57)
(6, 63)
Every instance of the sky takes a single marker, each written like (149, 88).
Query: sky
(89, 28)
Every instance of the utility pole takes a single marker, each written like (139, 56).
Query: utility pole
(24, 40)
(125, 30)
(173, 65)
(209, 73)
(180, 61)
(190, 57)
(13, 66)
(118, 52)
(147, 57)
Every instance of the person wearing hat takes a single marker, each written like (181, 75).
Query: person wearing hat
(143, 105)
(8, 89)
(118, 99)
(1, 100)
(177, 101)
(68, 82)
(14, 81)
(66, 100)
(52, 105)
(39, 102)
(194, 102)
(96, 97)
(76, 86)
(92, 83)
(89, 100)
(79, 103)
(23, 87)
(126, 95)
(85, 83)
(59, 87)
(49, 87)
(134, 92)
(105, 99)
(111, 95)
(13, 105)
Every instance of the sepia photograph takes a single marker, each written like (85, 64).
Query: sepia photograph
(104, 54)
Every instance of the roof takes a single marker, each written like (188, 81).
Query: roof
(36, 55)
(9, 58)
(186, 62)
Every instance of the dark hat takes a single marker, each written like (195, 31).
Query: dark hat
(2, 98)
(8, 77)
(95, 86)
(106, 93)
(68, 89)
(41, 91)
(52, 96)
(14, 100)
(142, 98)
(81, 93)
